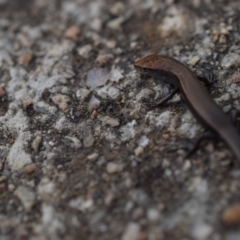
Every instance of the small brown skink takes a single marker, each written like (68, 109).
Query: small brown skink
(195, 95)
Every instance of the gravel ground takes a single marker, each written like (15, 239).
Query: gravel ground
(81, 156)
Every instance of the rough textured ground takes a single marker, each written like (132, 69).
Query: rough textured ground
(81, 157)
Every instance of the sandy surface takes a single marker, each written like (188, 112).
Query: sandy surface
(81, 156)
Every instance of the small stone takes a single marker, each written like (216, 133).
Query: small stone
(174, 23)
(93, 103)
(88, 138)
(92, 156)
(227, 108)
(81, 204)
(2, 91)
(110, 198)
(21, 232)
(75, 142)
(144, 93)
(143, 141)
(128, 131)
(230, 60)
(103, 58)
(138, 213)
(36, 143)
(153, 215)
(139, 150)
(131, 232)
(73, 33)
(118, 8)
(226, 97)
(193, 61)
(97, 77)
(116, 23)
(202, 231)
(222, 39)
(3, 187)
(116, 75)
(166, 136)
(224, 31)
(114, 167)
(31, 168)
(85, 50)
(106, 120)
(26, 196)
(47, 188)
(108, 91)
(25, 58)
(26, 103)
(3, 178)
(11, 187)
(17, 157)
(82, 93)
(235, 77)
(232, 214)
(96, 24)
(62, 101)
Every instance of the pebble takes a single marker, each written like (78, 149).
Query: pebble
(193, 61)
(25, 58)
(96, 24)
(108, 91)
(93, 103)
(26, 103)
(92, 156)
(153, 215)
(2, 91)
(225, 97)
(81, 204)
(235, 77)
(17, 157)
(85, 50)
(118, 8)
(202, 231)
(164, 119)
(103, 58)
(174, 23)
(144, 93)
(3, 178)
(31, 168)
(46, 189)
(137, 213)
(73, 33)
(51, 220)
(143, 141)
(110, 198)
(116, 74)
(82, 93)
(131, 232)
(106, 120)
(88, 138)
(232, 214)
(114, 167)
(75, 142)
(97, 77)
(11, 187)
(116, 23)
(139, 150)
(230, 60)
(26, 196)
(127, 131)
(227, 108)
(36, 143)
(62, 101)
